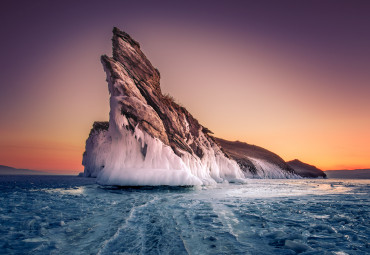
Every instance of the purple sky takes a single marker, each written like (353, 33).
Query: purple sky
(51, 78)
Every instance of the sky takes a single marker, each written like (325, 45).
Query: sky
(290, 76)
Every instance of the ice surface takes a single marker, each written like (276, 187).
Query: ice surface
(71, 215)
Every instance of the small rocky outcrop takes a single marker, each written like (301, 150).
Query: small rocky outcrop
(246, 156)
(306, 170)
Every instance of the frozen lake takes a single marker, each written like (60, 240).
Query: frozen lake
(71, 215)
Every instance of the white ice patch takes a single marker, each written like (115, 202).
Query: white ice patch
(122, 157)
(98, 146)
(126, 164)
(267, 170)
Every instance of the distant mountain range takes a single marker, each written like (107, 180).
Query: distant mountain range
(349, 174)
(7, 170)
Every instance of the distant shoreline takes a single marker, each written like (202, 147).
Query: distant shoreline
(331, 174)
(7, 170)
(349, 174)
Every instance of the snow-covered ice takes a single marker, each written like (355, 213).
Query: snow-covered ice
(71, 215)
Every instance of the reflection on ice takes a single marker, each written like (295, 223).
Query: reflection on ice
(264, 188)
(71, 191)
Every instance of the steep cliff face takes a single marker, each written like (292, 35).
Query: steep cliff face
(150, 139)
(131, 75)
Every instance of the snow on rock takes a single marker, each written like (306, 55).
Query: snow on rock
(150, 139)
(255, 161)
(268, 170)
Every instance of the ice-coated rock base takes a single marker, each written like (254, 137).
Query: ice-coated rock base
(150, 139)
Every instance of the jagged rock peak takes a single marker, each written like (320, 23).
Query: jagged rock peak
(125, 36)
(127, 52)
(130, 74)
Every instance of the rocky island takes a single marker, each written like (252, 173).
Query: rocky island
(152, 140)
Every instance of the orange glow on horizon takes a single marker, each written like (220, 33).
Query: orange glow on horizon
(54, 158)
(250, 90)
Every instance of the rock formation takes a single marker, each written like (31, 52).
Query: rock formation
(151, 140)
(306, 170)
(256, 160)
